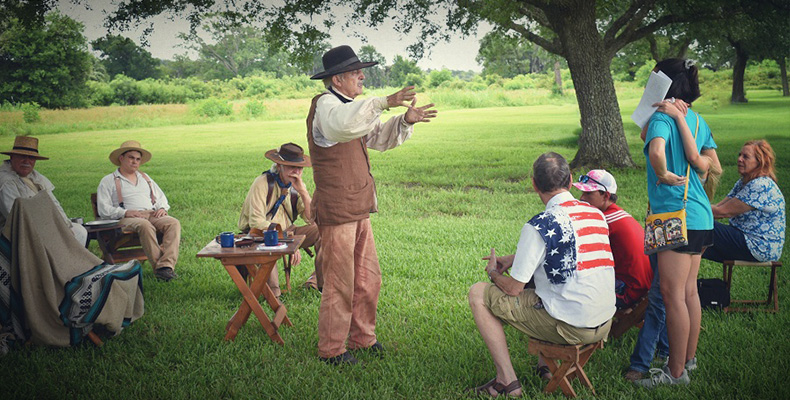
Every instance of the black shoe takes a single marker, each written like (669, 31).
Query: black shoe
(165, 274)
(343, 359)
(376, 350)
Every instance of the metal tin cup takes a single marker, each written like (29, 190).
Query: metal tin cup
(226, 239)
(270, 238)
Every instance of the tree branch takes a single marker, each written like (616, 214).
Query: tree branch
(627, 16)
(550, 46)
(653, 47)
(536, 14)
(629, 36)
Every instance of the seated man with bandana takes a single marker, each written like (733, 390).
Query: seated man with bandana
(279, 196)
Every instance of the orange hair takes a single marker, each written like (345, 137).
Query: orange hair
(766, 159)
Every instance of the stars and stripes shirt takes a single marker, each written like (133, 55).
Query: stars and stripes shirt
(566, 250)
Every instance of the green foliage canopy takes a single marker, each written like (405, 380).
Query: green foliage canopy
(508, 56)
(401, 69)
(121, 55)
(375, 76)
(46, 63)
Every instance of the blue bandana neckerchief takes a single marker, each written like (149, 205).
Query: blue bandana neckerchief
(279, 202)
(338, 95)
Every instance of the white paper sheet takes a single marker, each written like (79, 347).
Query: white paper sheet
(657, 87)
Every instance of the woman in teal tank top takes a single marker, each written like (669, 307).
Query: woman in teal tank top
(667, 164)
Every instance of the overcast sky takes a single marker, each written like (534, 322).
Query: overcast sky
(458, 54)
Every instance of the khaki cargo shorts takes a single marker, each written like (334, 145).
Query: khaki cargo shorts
(525, 312)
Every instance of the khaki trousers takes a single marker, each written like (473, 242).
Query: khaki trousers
(160, 256)
(352, 282)
(526, 313)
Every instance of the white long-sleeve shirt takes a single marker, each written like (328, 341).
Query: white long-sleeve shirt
(135, 197)
(338, 122)
(12, 187)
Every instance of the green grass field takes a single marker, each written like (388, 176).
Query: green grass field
(458, 187)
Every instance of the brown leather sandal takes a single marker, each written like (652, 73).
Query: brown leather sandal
(483, 389)
(506, 390)
(498, 388)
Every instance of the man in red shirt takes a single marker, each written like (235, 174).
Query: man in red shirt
(632, 270)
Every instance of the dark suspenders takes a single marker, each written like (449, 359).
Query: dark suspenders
(120, 195)
(271, 179)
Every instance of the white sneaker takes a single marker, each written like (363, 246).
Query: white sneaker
(661, 376)
(691, 365)
(4, 339)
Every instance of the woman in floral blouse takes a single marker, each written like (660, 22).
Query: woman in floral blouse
(755, 207)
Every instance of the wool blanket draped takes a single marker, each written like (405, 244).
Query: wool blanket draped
(52, 289)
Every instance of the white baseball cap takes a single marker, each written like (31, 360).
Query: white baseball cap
(595, 180)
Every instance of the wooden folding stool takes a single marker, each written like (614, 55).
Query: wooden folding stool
(773, 293)
(628, 318)
(565, 363)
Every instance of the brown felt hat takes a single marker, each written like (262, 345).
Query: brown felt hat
(26, 146)
(130, 145)
(289, 154)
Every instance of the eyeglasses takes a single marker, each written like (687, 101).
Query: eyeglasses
(586, 179)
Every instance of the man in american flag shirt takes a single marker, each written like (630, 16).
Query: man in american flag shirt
(565, 251)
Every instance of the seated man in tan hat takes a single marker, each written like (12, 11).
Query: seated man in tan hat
(279, 196)
(18, 178)
(134, 198)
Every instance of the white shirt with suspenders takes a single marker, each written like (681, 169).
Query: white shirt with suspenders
(117, 194)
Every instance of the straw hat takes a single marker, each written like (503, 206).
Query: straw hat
(26, 146)
(289, 154)
(341, 59)
(129, 145)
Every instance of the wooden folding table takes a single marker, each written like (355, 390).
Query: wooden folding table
(259, 265)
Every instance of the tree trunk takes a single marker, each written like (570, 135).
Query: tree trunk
(783, 69)
(602, 141)
(738, 71)
(558, 76)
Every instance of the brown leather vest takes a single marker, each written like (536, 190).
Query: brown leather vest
(344, 187)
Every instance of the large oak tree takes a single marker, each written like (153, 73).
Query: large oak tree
(586, 33)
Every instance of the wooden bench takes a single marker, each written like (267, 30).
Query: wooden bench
(773, 293)
(565, 362)
(628, 318)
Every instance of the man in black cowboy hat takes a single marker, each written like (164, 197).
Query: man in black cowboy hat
(279, 196)
(339, 132)
(18, 178)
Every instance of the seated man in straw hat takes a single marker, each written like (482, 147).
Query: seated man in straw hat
(134, 198)
(279, 196)
(18, 178)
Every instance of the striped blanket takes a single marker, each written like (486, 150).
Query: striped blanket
(52, 290)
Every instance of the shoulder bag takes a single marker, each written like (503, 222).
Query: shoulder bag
(668, 230)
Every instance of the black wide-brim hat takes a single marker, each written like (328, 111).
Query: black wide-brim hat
(341, 59)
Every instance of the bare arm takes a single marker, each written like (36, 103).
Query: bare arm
(730, 207)
(301, 188)
(507, 284)
(659, 163)
(714, 158)
(677, 110)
